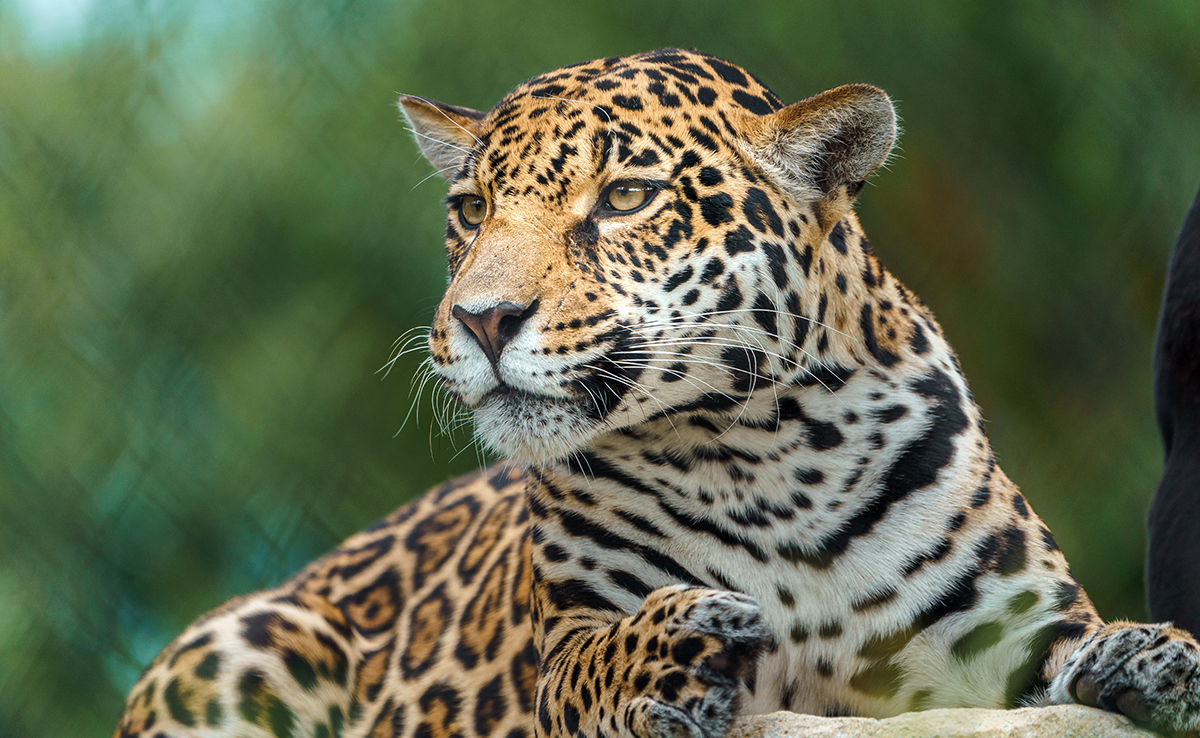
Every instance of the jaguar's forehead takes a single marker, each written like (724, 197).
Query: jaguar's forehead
(589, 115)
(666, 79)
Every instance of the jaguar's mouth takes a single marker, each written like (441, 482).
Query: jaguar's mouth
(533, 427)
(504, 392)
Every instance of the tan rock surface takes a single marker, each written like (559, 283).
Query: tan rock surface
(1062, 721)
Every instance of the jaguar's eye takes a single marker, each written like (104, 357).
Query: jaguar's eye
(626, 196)
(471, 211)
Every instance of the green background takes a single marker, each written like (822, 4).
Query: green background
(213, 226)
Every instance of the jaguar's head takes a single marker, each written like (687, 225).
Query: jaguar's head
(635, 236)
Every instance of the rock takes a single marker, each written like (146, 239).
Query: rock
(1060, 721)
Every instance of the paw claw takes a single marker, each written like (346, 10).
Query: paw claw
(1087, 691)
(1132, 705)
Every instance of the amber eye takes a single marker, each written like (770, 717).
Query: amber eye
(626, 196)
(471, 211)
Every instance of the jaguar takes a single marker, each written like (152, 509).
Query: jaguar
(745, 472)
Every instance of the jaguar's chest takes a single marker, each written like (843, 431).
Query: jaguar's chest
(845, 513)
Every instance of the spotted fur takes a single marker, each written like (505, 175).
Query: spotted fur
(750, 475)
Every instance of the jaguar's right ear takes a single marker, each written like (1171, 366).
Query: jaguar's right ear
(445, 133)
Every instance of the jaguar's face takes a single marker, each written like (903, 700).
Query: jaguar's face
(618, 248)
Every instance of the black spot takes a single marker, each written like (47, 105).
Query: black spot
(1027, 680)
(937, 553)
(831, 629)
(977, 640)
(821, 435)
(731, 298)
(764, 315)
(875, 601)
(191, 645)
(255, 628)
(1022, 602)
(884, 356)
(1065, 595)
(207, 669)
(429, 618)
(786, 598)
(798, 633)
(543, 714)
(179, 711)
(753, 103)
(257, 702)
(1011, 556)
(881, 680)
(920, 700)
(805, 258)
(669, 685)
(889, 414)
(675, 372)
(918, 341)
(632, 102)
(630, 583)
(809, 476)
(1048, 540)
(687, 650)
(641, 682)
(703, 139)
(738, 241)
(714, 268)
(678, 278)
(213, 713)
(837, 237)
(800, 500)
(715, 209)
(711, 177)
(760, 212)
(706, 96)
(1020, 506)
(958, 596)
(727, 71)
(579, 526)
(777, 261)
(567, 594)
(980, 497)
(300, 668)
(490, 707)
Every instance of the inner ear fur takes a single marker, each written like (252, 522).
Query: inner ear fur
(824, 147)
(445, 133)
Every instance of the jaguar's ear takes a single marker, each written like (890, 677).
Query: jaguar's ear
(445, 133)
(825, 147)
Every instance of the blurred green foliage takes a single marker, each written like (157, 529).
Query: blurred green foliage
(213, 226)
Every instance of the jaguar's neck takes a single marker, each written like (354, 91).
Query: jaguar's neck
(858, 314)
(879, 409)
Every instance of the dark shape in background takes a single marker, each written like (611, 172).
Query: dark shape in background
(213, 226)
(1173, 561)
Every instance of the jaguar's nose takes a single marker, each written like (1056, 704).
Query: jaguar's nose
(494, 327)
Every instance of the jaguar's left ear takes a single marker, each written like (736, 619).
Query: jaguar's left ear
(825, 147)
(445, 133)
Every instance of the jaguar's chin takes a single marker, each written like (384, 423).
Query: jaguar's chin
(534, 428)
